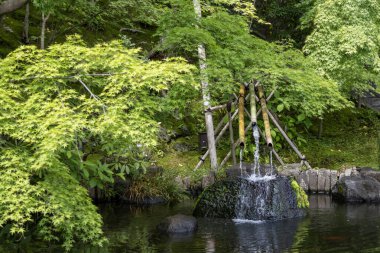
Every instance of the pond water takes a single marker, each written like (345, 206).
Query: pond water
(329, 227)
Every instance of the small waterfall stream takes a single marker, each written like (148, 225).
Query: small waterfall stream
(271, 161)
(255, 191)
(256, 163)
(241, 160)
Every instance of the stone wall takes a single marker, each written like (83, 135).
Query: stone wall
(324, 180)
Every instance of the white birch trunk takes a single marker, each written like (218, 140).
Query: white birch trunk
(25, 33)
(206, 95)
(43, 29)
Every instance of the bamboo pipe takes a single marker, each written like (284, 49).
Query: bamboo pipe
(253, 103)
(237, 142)
(221, 123)
(262, 134)
(241, 115)
(264, 108)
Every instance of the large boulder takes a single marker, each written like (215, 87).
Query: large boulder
(370, 173)
(178, 224)
(273, 198)
(357, 189)
(183, 147)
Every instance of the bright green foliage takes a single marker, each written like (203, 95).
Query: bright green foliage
(234, 56)
(63, 128)
(302, 199)
(345, 41)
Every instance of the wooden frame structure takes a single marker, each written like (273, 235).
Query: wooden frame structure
(241, 111)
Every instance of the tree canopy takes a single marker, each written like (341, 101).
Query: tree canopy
(85, 108)
(344, 42)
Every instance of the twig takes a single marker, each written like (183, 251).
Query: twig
(93, 95)
(68, 77)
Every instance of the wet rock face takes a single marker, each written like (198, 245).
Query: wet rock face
(357, 189)
(178, 224)
(243, 199)
(218, 201)
(370, 173)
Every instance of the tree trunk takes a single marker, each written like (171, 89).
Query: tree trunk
(231, 129)
(320, 129)
(11, 5)
(206, 95)
(43, 29)
(25, 32)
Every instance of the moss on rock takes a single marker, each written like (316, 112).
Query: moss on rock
(218, 200)
(241, 198)
(302, 199)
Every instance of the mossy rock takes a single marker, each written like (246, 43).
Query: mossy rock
(240, 198)
(218, 200)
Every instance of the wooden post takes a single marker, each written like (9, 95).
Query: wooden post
(231, 129)
(202, 159)
(25, 31)
(206, 95)
(241, 115)
(235, 145)
(220, 125)
(264, 108)
(320, 129)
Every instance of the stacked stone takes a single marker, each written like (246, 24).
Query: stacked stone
(313, 180)
(350, 185)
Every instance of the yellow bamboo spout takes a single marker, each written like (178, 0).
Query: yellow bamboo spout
(253, 103)
(264, 108)
(241, 115)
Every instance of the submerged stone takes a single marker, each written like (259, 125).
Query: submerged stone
(272, 198)
(178, 224)
(357, 189)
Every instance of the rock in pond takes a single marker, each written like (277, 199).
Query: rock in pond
(271, 198)
(370, 173)
(357, 189)
(178, 224)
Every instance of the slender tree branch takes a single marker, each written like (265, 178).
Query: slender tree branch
(68, 77)
(93, 95)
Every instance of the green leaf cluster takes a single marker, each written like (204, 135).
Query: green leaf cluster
(235, 56)
(75, 117)
(345, 42)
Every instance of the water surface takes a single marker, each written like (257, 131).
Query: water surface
(329, 227)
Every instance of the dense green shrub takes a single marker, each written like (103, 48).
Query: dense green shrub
(74, 116)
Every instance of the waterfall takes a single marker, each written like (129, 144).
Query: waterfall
(271, 161)
(256, 163)
(241, 160)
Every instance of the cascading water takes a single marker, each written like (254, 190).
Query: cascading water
(255, 189)
(271, 161)
(256, 164)
(241, 160)
(257, 197)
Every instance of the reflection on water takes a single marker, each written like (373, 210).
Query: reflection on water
(329, 227)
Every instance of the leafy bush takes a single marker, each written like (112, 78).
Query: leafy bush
(74, 116)
(149, 187)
